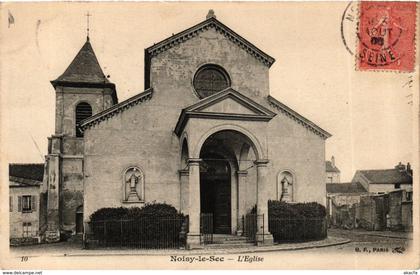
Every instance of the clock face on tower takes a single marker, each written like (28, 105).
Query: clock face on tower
(210, 79)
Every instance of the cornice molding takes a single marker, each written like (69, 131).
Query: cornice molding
(298, 118)
(220, 28)
(196, 110)
(116, 109)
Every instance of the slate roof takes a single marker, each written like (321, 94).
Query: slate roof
(330, 168)
(390, 176)
(85, 71)
(28, 173)
(345, 188)
(84, 68)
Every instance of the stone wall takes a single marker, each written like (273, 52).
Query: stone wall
(395, 210)
(407, 215)
(67, 99)
(386, 187)
(67, 150)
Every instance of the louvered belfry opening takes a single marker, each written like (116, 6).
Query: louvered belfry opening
(83, 111)
(209, 80)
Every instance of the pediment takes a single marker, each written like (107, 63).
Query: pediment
(227, 104)
(210, 23)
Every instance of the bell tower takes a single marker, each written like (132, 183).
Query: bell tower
(81, 91)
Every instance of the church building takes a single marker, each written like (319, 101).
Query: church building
(205, 136)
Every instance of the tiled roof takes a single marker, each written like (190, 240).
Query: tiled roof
(390, 176)
(31, 171)
(84, 68)
(330, 168)
(351, 187)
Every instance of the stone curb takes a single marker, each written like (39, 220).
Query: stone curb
(271, 248)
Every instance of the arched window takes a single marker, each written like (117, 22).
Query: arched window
(209, 80)
(83, 111)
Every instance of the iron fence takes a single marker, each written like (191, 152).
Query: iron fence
(206, 228)
(297, 229)
(143, 233)
(251, 226)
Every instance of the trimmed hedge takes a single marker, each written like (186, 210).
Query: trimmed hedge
(149, 210)
(156, 225)
(297, 221)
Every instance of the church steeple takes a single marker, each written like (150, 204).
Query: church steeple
(84, 68)
(81, 91)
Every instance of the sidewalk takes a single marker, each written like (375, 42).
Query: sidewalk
(66, 250)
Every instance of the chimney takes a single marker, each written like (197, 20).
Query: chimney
(332, 161)
(409, 170)
(400, 167)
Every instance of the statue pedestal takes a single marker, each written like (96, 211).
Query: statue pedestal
(133, 197)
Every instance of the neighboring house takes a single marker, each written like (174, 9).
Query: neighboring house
(205, 136)
(341, 197)
(332, 171)
(385, 180)
(25, 183)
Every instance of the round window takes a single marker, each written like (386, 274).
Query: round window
(209, 80)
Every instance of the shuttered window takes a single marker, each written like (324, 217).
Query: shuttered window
(19, 203)
(26, 203)
(10, 204)
(83, 111)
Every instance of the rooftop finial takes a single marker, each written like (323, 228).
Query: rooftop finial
(210, 14)
(87, 25)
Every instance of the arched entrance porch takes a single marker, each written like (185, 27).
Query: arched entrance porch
(226, 191)
(227, 176)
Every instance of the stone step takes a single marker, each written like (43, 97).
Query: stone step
(232, 242)
(229, 245)
(228, 237)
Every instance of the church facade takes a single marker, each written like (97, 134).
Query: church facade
(205, 136)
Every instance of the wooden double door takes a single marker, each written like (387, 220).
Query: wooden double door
(215, 194)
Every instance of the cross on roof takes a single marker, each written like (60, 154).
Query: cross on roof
(87, 25)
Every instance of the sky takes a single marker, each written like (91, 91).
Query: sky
(369, 114)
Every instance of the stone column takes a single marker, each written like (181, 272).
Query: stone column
(263, 235)
(184, 195)
(193, 237)
(241, 199)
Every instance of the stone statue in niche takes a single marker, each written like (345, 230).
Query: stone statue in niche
(286, 181)
(133, 185)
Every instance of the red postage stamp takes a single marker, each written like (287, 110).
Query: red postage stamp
(387, 35)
